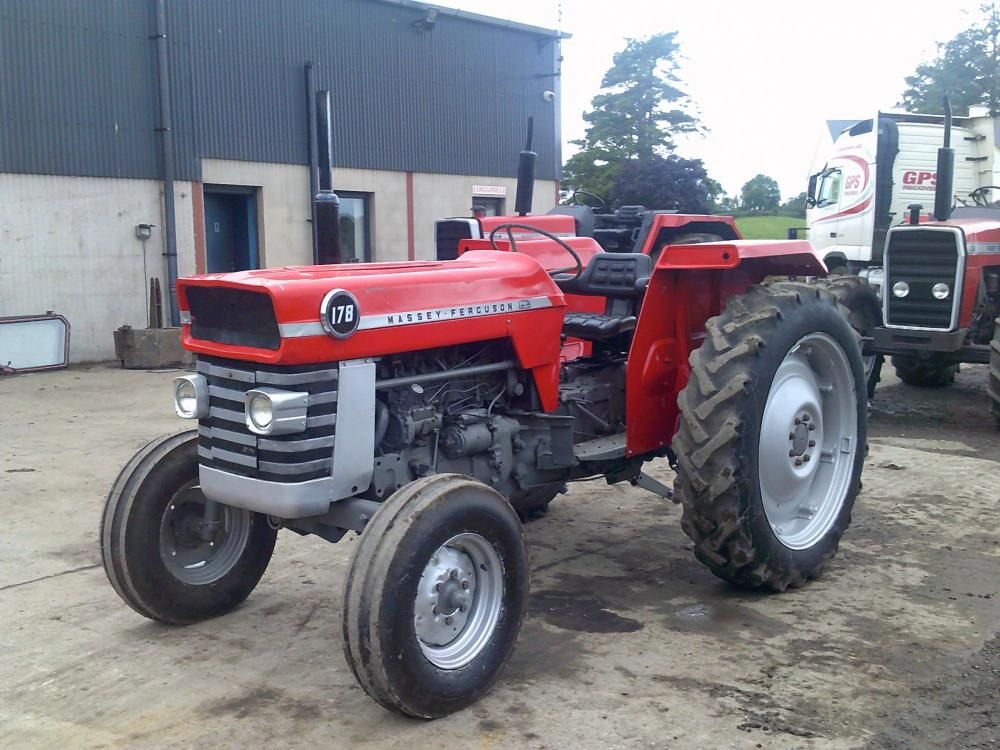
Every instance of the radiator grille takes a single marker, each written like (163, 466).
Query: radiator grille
(225, 443)
(233, 316)
(921, 258)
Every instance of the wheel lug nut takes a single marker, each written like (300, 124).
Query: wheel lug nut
(805, 458)
(791, 436)
(812, 427)
(798, 421)
(805, 417)
(812, 443)
(448, 620)
(465, 585)
(453, 573)
(798, 461)
(437, 586)
(791, 454)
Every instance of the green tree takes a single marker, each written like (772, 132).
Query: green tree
(796, 205)
(967, 69)
(637, 115)
(760, 193)
(666, 183)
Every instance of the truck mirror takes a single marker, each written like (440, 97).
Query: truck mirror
(811, 192)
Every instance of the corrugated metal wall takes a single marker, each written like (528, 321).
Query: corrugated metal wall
(78, 86)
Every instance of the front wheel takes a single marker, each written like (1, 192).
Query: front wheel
(925, 372)
(772, 437)
(993, 384)
(168, 552)
(435, 596)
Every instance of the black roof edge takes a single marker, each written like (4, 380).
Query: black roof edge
(478, 18)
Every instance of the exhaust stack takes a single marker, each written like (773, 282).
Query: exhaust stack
(944, 188)
(326, 204)
(526, 175)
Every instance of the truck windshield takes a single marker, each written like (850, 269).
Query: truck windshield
(829, 188)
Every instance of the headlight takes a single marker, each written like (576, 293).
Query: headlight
(270, 411)
(191, 396)
(900, 289)
(940, 291)
(260, 412)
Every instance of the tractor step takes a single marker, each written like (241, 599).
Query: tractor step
(605, 448)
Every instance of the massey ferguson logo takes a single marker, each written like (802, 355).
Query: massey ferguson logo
(450, 313)
(914, 180)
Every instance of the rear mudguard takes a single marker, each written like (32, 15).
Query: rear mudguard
(690, 284)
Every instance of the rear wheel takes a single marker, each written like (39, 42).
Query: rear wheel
(993, 384)
(534, 503)
(168, 552)
(771, 441)
(861, 301)
(929, 372)
(435, 596)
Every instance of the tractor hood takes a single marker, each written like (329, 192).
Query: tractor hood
(311, 314)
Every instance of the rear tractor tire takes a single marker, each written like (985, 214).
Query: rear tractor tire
(170, 555)
(993, 383)
(435, 596)
(862, 303)
(772, 436)
(925, 373)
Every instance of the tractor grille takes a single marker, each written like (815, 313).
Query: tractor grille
(233, 316)
(225, 443)
(922, 258)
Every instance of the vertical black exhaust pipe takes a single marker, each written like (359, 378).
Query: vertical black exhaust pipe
(326, 204)
(944, 188)
(526, 175)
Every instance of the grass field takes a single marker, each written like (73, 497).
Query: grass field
(768, 227)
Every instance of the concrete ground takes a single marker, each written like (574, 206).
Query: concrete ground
(630, 642)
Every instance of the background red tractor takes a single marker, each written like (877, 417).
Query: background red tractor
(424, 404)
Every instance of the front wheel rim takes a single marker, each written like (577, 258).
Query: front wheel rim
(808, 441)
(187, 555)
(459, 600)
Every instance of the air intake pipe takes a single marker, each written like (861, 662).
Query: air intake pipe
(944, 187)
(526, 175)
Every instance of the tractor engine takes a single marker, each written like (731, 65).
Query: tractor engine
(450, 410)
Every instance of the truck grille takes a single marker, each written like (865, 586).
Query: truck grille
(225, 443)
(922, 258)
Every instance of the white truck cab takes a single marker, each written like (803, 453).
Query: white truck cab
(862, 184)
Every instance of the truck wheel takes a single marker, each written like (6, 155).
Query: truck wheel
(993, 384)
(772, 436)
(435, 596)
(926, 373)
(861, 301)
(157, 550)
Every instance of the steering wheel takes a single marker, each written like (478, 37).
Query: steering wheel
(565, 273)
(979, 195)
(601, 203)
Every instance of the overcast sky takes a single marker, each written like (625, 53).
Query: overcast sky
(765, 74)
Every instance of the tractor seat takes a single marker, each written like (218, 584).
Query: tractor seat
(622, 278)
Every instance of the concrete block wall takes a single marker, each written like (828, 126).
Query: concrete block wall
(68, 244)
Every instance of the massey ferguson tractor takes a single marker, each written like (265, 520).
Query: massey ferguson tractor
(941, 286)
(423, 405)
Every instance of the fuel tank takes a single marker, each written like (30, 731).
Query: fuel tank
(312, 314)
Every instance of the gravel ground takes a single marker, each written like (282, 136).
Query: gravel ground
(630, 642)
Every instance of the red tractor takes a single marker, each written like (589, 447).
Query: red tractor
(424, 405)
(941, 287)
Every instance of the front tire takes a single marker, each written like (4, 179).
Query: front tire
(924, 373)
(772, 436)
(155, 549)
(993, 382)
(861, 301)
(435, 596)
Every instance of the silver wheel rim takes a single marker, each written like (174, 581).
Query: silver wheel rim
(190, 558)
(458, 602)
(808, 441)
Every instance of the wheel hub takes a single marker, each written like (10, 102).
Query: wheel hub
(194, 557)
(458, 600)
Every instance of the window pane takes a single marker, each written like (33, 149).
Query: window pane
(354, 228)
